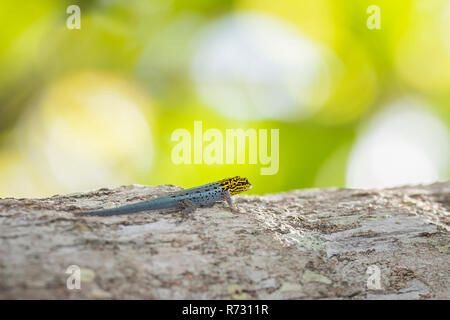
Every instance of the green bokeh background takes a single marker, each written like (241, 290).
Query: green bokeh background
(145, 48)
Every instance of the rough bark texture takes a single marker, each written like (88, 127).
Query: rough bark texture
(304, 244)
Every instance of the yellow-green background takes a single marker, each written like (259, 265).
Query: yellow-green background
(56, 85)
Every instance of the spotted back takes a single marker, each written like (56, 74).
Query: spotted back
(235, 185)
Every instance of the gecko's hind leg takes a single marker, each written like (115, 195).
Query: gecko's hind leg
(187, 208)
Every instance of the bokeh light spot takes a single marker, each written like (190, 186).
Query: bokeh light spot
(89, 130)
(404, 144)
(254, 66)
(422, 60)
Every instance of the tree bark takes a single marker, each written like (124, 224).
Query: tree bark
(304, 244)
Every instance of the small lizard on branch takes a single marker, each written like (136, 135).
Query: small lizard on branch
(187, 200)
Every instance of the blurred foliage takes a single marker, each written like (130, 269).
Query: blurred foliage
(95, 107)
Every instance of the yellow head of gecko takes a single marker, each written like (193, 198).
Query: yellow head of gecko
(235, 185)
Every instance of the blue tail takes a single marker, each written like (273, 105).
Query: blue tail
(154, 204)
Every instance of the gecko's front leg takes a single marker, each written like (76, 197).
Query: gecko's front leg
(227, 197)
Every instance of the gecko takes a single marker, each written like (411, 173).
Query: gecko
(186, 200)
